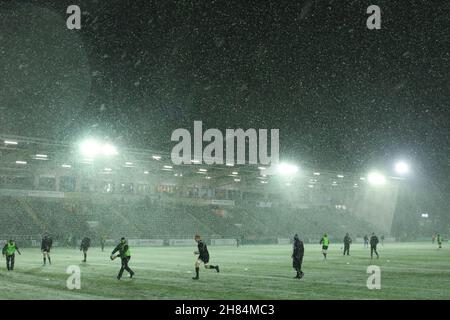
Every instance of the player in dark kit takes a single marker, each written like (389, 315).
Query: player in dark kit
(439, 240)
(125, 256)
(373, 245)
(85, 244)
(9, 251)
(203, 257)
(297, 257)
(46, 246)
(347, 242)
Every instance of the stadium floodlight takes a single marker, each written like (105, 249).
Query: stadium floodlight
(202, 170)
(287, 169)
(109, 150)
(156, 158)
(9, 142)
(21, 162)
(90, 148)
(66, 166)
(145, 172)
(41, 156)
(376, 178)
(401, 167)
(340, 176)
(424, 215)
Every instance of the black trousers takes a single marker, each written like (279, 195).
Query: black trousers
(125, 267)
(10, 262)
(373, 248)
(347, 249)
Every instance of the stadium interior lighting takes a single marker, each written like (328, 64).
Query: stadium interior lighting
(21, 162)
(41, 156)
(90, 148)
(376, 179)
(424, 215)
(66, 166)
(109, 150)
(401, 167)
(9, 142)
(156, 157)
(145, 172)
(287, 169)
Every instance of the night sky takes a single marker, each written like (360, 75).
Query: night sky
(344, 97)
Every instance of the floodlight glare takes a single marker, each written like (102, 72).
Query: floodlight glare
(401, 167)
(90, 148)
(109, 150)
(376, 178)
(287, 169)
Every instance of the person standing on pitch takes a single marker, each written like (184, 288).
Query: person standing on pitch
(85, 244)
(439, 240)
(297, 257)
(9, 250)
(347, 242)
(125, 256)
(203, 257)
(325, 242)
(46, 246)
(373, 245)
(102, 242)
(366, 241)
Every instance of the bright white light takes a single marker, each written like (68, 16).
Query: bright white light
(355, 185)
(401, 167)
(168, 167)
(237, 180)
(340, 176)
(424, 215)
(376, 178)
(195, 161)
(316, 173)
(145, 172)
(90, 148)
(229, 164)
(263, 182)
(41, 156)
(10, 142)
(109, 150)
(262, 168)
(286, 169)
(235, 173)
(128, 163)
(66, 166)
(208, 177)
(362, 178)
(108, 169)
(202, 170)
(156, 157)
(21, 162)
